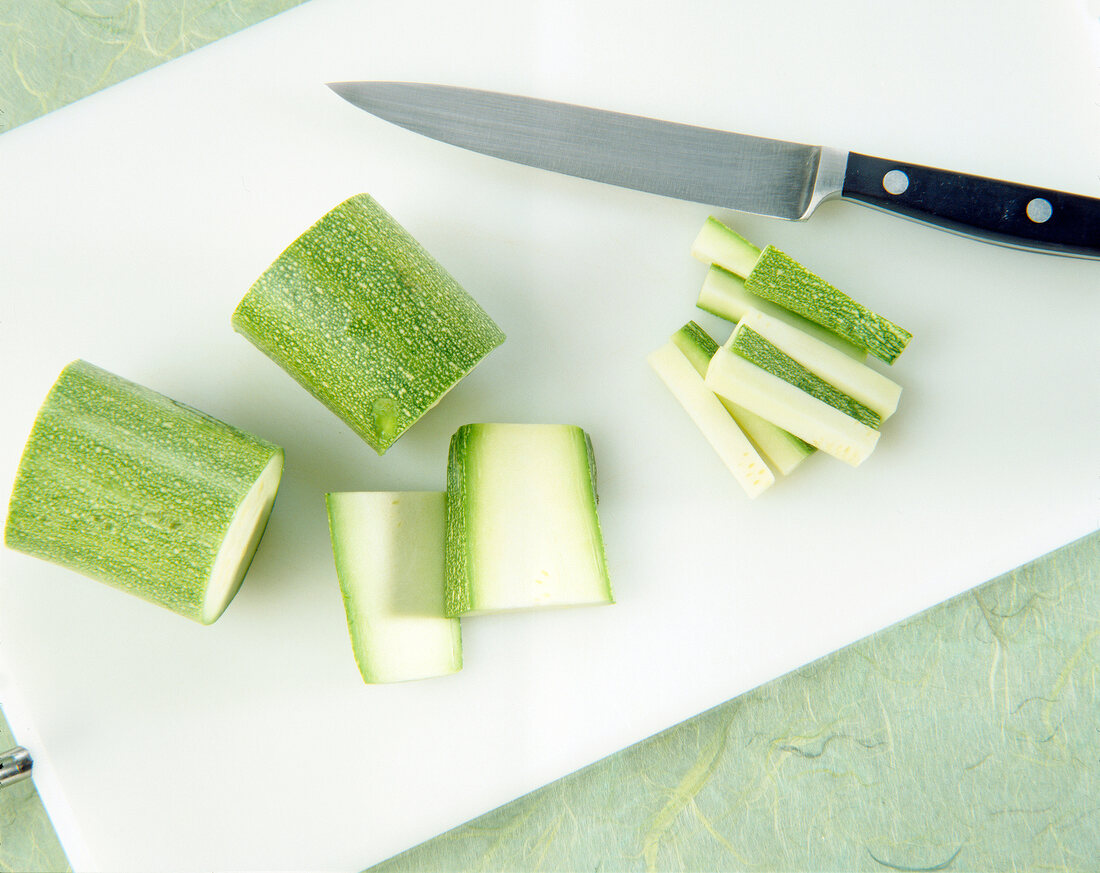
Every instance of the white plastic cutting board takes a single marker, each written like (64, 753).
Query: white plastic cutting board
(133, 221)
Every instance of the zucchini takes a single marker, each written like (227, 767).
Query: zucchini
(388, 548)
(731, 376)
(522, 526)
(124, 485)
(723, 294)
(782, 450)
(781, 279)
(712, 418)
(751, 346)
(860, 382)
(366, 320)
(718, 244)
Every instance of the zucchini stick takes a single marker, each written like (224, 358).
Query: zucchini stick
(731, 376)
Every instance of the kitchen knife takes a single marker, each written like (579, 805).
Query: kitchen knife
(732, 170)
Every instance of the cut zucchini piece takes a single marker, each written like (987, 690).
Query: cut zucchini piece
(366, 320)
(781, 279)
(792, 409)
(747, 343)
(782, 450)
(388, 548)
(712, 418)
(124, 485)
(522, 528)
(857, 380)
(723, 294)
(718, 244)
(696, 345)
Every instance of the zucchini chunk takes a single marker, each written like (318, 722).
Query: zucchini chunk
(522, 527)
(124, 485)
(366, 320)
(388, 548)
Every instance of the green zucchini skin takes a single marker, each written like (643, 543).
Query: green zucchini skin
(697, 345)
(459, 556)
(366, 320)
(129, 487)
(781, 279)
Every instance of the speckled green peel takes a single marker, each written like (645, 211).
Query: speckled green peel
(724, 294)
(697, 345)
(366, 320)
(747, 343)
(126, 486)
(781, 279)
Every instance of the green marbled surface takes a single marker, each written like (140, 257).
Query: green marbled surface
(53, 52)
(27, 840)
(964, 738)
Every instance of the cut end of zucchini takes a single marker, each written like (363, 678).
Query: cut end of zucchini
(241, 541)
(718, 244)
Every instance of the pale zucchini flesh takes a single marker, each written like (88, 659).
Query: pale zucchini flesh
(712, 419)
(857, 380)
(790, 408)
(751, 346)
(364, 318)
(718, 244)
(723, 294)
(125, 485)
(389, 554)
(781, 279)
(783, 451)
(522, 527)
(242, 538)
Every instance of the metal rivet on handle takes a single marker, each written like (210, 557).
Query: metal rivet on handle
(15, 765)
(895, 182)
(1039, 210)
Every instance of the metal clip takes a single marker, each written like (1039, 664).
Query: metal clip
(15, 766)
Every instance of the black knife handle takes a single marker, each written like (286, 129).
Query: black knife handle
(1003, 212)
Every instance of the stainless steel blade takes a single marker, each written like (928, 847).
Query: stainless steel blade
(747, 173)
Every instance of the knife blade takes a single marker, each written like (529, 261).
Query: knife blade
(731, 170)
